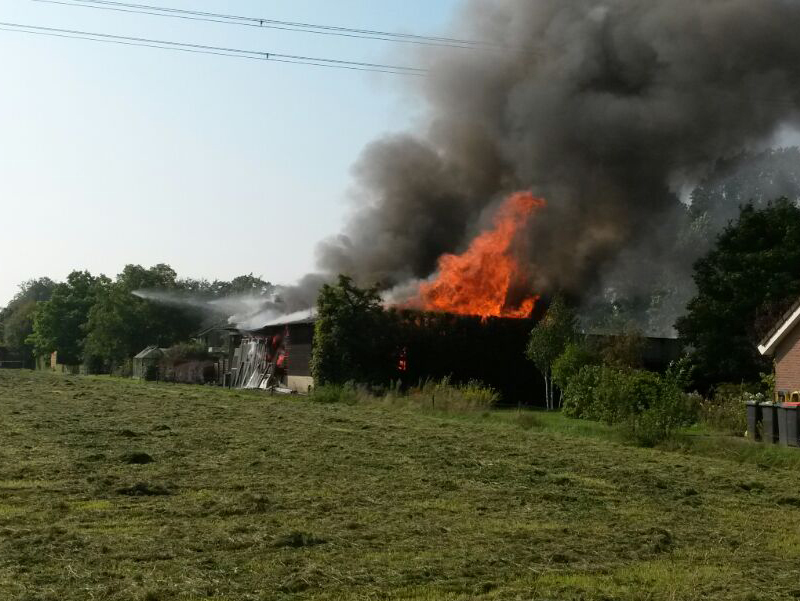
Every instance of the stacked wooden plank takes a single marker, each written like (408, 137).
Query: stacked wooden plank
(254, 366)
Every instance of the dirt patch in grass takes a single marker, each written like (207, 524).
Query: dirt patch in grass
(137, 458)
(143, 489)
(297, 539)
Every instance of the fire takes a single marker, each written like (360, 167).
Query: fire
(481, 280)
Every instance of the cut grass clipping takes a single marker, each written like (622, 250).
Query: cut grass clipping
(252, 497)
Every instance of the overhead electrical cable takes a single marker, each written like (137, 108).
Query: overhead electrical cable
(216, 50)
(264, 23)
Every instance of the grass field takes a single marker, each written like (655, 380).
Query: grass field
(113, 489)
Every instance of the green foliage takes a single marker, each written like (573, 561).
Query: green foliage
(16, 318)
(726, 410)
(243, 284)
(151, 372)
(548, 340)
(59, 323)
(667, 411)
(744, 284)
(119, 324)
(432, 395)
(186, 351)
(650, 406)
(580, 393)
(331, 394)
(100, 323)
(680, 371)
(575, 357)
(551, 335)
(352, 337)
(444, 395)
(768, 384)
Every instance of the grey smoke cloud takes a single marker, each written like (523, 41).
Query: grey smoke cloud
(605, 109)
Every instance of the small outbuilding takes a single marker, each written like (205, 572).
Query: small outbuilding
(277, 355)
(146, 364)
(783, 344)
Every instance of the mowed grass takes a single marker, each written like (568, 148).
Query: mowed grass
(114, 489)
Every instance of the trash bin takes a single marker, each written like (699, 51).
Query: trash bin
(792, 417)
(769, 420)
(754, 424)
(782, 411)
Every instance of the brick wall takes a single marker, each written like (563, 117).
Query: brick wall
(787, 362)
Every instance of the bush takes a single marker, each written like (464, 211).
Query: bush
(185, 352)
(625, 393)
(442, 395)
(651, 406)
(575, 357)
(151, 372)
(669, 410)
(726, 410)
(347, 394)
(580, 393)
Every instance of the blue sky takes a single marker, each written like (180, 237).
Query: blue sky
(218, 166)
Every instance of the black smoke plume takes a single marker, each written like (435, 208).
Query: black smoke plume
(609, 110)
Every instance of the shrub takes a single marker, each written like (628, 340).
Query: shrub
(625, 393)
(185, 352)
(669, 410)
(346, 394)
(726, 410)
(651, 406)
(575, 357)
(151, 372)
(442, 395)
(580, 393)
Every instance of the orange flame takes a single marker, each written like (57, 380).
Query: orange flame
(479, 282)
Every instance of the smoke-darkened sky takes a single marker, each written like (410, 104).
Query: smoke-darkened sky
(608, 109)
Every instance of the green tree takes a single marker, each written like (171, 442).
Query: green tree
(120, 324)
(549, 339)
(16, 319)
(743, 286)
(352, 340)
(59, 323)
(577, 355)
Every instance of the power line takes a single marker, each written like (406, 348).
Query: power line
(216, 50)
(262, 23)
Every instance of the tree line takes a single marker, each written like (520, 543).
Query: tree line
(748, 276)
(99, 323)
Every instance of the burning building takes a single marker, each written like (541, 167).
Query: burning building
(275, 356)
(613, 111)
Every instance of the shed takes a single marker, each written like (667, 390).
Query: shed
(146, 363)
(276, 354)
(783, 344)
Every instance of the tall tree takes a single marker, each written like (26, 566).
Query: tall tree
(352, 340)
(549, 338)
(743, 285)
(59, 323)
(16, 319)
(120, 324)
